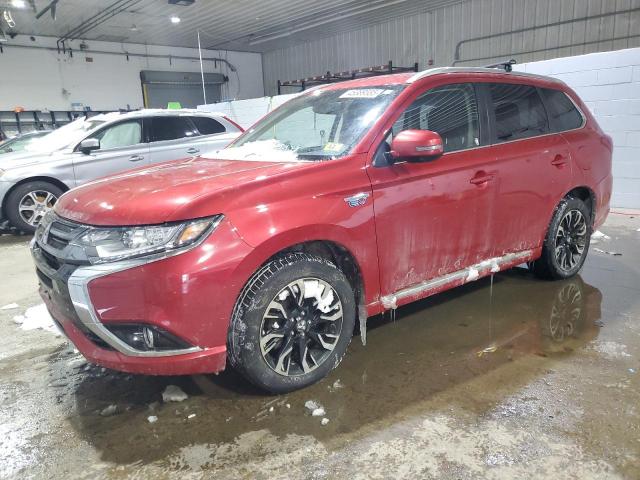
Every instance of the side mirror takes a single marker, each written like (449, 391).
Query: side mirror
(416, 145)
(88, 145)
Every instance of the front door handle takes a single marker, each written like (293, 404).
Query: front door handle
(559, 161)
(136, 158)
(193, 151)
(481, 177)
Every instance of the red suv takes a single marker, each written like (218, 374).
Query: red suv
(349, 200)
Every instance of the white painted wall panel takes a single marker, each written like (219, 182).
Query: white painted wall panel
(35, 79)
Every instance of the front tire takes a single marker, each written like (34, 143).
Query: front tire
(566, 245)
(27, 204)
(292, 323)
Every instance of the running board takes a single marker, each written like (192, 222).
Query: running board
(459, 277)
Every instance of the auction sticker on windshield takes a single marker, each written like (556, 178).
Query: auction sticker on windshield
(362, 93)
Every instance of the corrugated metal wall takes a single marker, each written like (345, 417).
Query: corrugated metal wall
(434, 35)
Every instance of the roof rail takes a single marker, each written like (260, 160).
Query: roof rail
(506, 66)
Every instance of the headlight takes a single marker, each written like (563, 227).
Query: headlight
(110, 244)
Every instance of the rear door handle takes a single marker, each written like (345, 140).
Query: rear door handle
(559, 161)
(481, 178)
(192, 151)
(136, 158)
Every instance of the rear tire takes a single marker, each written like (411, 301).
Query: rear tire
(566, 245)
(292, 323)
(27, 204)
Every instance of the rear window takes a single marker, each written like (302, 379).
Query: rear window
(519, 112)
(171, 128)
(207, 126)
(563, 114)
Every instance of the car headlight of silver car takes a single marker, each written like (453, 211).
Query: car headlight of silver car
(106, 244)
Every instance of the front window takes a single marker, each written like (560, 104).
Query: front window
(120, 135)
(450, 110)
(322, 125)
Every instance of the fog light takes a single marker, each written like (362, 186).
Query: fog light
(147, 337)
(147, 333)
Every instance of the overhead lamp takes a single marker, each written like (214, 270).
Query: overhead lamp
(175, 20)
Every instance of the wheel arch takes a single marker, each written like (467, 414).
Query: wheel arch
(587, 195)
(339, 255)
(327, 246)
(41, 178)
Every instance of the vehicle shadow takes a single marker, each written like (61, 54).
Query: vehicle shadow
(431, 347)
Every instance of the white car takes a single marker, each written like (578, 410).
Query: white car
(88, 148)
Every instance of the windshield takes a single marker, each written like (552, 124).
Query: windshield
(322, 125)
(64, 136)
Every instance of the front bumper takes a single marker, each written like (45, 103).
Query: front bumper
(173, 293)
(4, 189)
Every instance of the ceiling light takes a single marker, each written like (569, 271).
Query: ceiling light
(18, 4)
(175, 20)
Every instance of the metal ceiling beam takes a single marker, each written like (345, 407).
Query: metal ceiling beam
(99, 18)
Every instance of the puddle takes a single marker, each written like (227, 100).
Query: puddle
(431, 346)
(482, 351)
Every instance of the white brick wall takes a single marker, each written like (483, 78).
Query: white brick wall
(609, 83)
(247, 112)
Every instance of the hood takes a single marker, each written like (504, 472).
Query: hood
(22, 159)
(172, 191)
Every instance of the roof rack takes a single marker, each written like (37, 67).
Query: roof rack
(330, 77)
(506, 66)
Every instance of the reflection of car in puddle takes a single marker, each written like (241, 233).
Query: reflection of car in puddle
(569, 317)
(476, 328)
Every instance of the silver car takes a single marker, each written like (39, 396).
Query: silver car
(32, 180)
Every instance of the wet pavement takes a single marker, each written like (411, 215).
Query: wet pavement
(507, 377)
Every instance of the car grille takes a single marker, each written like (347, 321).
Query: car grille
(61, 233)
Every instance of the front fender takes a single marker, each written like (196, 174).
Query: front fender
(362, 249)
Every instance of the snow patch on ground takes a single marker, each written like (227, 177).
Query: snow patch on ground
(315, 408)
(173, 393)
(37, 318)
(598, 234)
(11, 306)
(611, 350)
(152, 419)
(109, 411)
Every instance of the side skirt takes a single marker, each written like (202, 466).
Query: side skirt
(457, 278)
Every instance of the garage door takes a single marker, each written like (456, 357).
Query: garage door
(160, 88)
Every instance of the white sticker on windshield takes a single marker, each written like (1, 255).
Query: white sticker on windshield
(362, 93)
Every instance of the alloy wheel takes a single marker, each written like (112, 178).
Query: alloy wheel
(301, 327)
(571, 240)
(34, 205)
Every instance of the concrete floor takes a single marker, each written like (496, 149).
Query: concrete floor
(515, 378)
